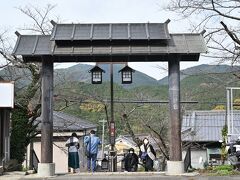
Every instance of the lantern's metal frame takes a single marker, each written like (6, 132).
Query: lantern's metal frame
(129, 71)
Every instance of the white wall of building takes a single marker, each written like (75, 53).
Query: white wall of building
(7, 94)
(198, 157)
(60, 155)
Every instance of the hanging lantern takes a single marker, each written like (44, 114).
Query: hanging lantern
(96, 74)
(127, 74)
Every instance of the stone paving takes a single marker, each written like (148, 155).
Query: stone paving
(116, 176)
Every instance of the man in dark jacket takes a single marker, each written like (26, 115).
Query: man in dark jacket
(131, 161)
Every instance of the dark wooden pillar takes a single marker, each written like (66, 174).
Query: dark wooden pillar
(174, 109)
(47, 111)
(1, 136)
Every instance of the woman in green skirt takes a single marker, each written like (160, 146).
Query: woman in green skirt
(73, 156)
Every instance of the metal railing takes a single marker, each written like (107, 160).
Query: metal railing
(187, 159)
(35, 161)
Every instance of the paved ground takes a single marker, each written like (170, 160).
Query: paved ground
(116, 176)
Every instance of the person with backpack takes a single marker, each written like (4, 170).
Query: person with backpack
(91, 142)
(73, 156)
(147, 154)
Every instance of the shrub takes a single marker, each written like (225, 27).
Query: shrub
(19, 135)
(223, 167)
(223, 172)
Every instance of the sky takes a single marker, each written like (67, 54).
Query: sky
(100, 11)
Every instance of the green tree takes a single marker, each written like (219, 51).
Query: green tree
(219, 107)
(237, 104)
(22, 132)
(224, 144)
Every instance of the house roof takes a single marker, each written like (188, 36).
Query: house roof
(66, 122)
(128, 138)
(115, 31)
(205, 126)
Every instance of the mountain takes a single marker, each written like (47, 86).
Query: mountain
(21, 76)
(80, 73)
(208, 89)
(205, 84)
(202, 69)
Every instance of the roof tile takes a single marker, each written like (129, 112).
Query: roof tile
(206, 125)
(123, 31)
(177, 44)
(66, 122)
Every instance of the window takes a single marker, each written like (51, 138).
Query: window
(127, 76)
(97, 76)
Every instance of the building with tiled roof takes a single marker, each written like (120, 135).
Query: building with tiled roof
(202, 130)
(63, 126)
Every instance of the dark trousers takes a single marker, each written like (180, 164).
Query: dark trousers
(148, 164)
(91, 160)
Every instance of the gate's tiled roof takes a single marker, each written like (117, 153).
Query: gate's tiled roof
(135, 42)
(29, 45)
(115, 31)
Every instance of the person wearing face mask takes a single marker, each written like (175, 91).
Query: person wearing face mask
(131, 161)
(147, 155)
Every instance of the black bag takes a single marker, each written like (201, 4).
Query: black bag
(87, 151)
(76, 144)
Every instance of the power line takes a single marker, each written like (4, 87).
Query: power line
(148, 101)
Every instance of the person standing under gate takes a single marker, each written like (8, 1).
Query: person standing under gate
(91, 142)
(73, 156)
(147, 154)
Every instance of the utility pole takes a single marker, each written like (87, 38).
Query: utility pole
(113, 161)
(112, 123)
(103, 133)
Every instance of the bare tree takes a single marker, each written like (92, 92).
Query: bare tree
(125, 120)
(221, 21)
(40, 18)
(27, 101)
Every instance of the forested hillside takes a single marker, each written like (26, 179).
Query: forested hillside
(74, 94)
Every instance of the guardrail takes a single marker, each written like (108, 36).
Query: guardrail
(187, 159)
(35, 161)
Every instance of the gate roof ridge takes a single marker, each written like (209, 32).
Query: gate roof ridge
(110, 31)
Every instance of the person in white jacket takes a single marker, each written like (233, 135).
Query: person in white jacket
(147, 154)
(73, 156)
